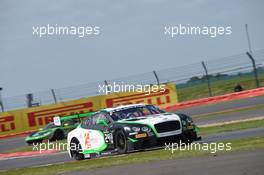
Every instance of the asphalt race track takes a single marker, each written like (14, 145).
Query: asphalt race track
(12, 143)
(219, 107)
(232, 164)
(12, 163)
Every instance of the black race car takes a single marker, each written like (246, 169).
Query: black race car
(125, 128)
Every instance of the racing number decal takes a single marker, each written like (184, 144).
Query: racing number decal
(94, 141)
(87, 140)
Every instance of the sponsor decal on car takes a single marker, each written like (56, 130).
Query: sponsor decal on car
(141, 135)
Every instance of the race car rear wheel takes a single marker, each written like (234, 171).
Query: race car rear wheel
(76, 150)
(121, 143)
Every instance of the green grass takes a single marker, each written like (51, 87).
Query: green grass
(219, 87)
(140, 157)
(231, 127)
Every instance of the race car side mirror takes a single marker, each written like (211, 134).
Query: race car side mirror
(102, 122)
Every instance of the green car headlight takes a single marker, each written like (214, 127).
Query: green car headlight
(41, 134)
(35, 135)
(47, 133)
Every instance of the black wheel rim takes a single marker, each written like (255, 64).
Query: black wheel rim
(121, 144)
(76, 151)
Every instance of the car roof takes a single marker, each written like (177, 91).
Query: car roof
(118, 108)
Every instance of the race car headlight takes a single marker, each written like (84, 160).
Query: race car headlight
(145, 129)
(135, 129)
(44, 134)
(189, 120)
(35, 135)
(47, 133)
(127, 128)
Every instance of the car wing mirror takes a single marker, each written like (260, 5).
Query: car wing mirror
(101, 122)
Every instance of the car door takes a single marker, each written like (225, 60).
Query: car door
(93, 139)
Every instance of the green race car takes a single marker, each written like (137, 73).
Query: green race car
(58, 129)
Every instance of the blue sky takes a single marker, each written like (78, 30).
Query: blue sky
(131, 41)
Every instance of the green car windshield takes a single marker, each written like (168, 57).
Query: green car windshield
(134, 112)
(50, 125)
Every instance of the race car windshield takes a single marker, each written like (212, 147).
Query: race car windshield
(50, 125)
(135, 112)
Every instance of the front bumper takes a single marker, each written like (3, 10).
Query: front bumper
(143, 143)
(31, 139)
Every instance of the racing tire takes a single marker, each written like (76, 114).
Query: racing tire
(76, 153)
(121, 143)
(153, 143)
(185, 138)
(58, 135)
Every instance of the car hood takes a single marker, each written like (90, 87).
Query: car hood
(152, 119)
(39, 133)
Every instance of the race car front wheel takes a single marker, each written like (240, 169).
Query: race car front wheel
(121, 143)
(76, 150)
(187, 137)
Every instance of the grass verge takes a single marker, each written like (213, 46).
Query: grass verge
(140, 157)
(218, 87)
